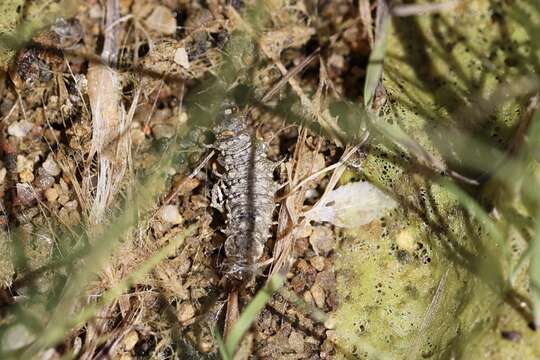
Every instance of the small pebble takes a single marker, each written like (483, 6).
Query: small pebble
(71, 205)
(322, 240)
(296, 342)
(318, 295)
(304, 231)
(181, 57)
(300, 246)
(15, 337)
(137, 136)
(317, 262)
(199, 201)
(25, 193)
(186, 312)
(183, 267)
(130, 340)
(63, 199)
(26, 176)
(20, 129)
(170, 214)
(308, 298)
(330, 322)
(162, 20)
(44, 181)
(77, 345)
(3, 173)
(51, 166)
(187, 185)
(23, 163)
(95, 12)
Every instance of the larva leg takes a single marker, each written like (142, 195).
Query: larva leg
(217, 197)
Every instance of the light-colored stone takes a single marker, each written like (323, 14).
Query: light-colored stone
(71, 205)
(163, 131)
(296, 342)
(308, 298)
(16, 337)
(318, 295)
(162, 20)
(181, 57)
(26, 176)
(322, 240)
(3, 173)
(51, 166)
(330, 322)
(20, 129)
(317, 262)
(51, 194)
(23, 163)
(170, 214)
(186, 312)
(130, 340)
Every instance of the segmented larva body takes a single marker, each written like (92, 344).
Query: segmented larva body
(248, 188)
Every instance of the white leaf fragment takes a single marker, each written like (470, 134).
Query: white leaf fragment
(351, 205)
(181, 57)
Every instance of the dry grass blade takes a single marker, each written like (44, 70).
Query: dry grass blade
(364, 8)
(422, 9)
(290, 210)
(110, 123)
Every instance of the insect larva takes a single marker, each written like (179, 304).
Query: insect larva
(248, 188)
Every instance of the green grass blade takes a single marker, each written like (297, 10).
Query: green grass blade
(376, 60)
(221, 346)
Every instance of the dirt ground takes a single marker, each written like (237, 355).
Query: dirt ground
(166, 49)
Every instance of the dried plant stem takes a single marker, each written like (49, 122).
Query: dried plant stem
(423, 9)
(233, 312)
(110, 124)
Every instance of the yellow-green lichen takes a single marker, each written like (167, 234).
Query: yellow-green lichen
(429, 281)
(20, 20)
(10, 15)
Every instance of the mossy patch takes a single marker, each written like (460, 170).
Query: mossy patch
(20, 20)
(428, 281)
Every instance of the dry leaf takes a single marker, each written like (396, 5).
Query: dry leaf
(352, 205)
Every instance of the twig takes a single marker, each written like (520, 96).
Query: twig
(233, 313)
(291, 73)
(109, 55)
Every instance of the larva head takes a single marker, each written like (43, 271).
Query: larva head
(232, 121)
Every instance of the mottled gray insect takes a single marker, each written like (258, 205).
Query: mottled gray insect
(247, 189)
